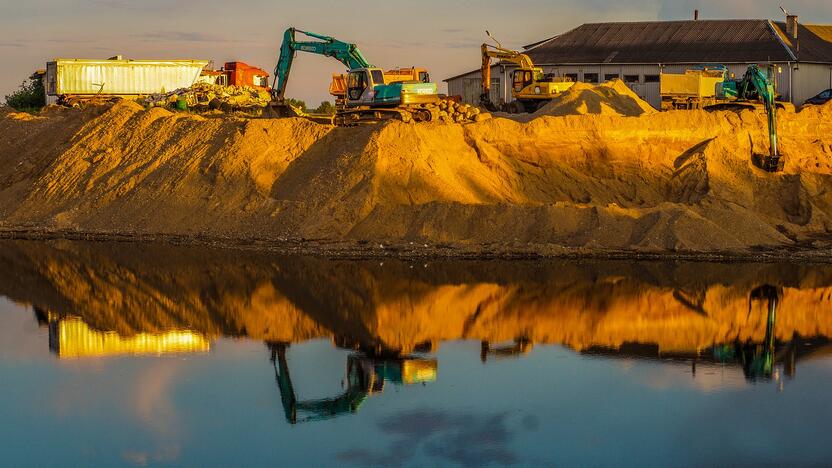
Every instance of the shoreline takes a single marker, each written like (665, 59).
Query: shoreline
(371, 250)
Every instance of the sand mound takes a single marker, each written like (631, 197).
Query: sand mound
(611, 98)
(664, 182)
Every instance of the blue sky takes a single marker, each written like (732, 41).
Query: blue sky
(440, 35)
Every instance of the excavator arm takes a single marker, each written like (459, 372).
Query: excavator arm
(344, 52)
(497, 52)
(758, 85)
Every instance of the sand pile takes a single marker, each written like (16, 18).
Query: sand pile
(676, 182)
(610, 98)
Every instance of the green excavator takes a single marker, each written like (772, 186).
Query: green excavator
(370, 95)
(755, 86)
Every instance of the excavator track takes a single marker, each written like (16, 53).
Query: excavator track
(368, 116)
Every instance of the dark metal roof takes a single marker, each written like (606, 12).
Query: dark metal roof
(686, 42)
(707, 41)
(814, 45)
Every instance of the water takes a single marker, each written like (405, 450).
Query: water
(121, 354)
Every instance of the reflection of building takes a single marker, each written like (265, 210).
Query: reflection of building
(70, 337)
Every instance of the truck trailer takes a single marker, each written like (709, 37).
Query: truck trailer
(73, 80)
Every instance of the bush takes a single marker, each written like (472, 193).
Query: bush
(326, 107)
(297, 103)
(30, 96)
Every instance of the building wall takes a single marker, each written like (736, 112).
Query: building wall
(810, 79)
(642, 79)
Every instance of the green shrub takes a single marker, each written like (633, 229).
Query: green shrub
(326, 107)
(297, 103)
(30, 96)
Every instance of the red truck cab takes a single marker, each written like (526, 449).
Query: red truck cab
(243, 74)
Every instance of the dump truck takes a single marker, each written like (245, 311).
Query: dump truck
(694, 89)
(71, 81)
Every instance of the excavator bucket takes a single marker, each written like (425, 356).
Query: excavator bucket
(769, 163)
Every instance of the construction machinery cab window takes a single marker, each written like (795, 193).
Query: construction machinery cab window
(424, 77)
(378, 76)
(522, 78)
(590, 77)
(357, 84)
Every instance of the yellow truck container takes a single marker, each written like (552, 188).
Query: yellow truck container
(119, 77)
(692, 90)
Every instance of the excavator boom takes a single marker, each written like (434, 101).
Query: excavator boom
(344, 52)
(758, 85)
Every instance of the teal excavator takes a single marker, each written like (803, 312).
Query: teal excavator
(371, 95)
(755, 86)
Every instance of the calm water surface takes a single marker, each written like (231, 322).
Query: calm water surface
(120, 354)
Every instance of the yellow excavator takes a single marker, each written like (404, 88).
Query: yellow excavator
(530, 87)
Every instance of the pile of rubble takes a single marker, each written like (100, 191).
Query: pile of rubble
(455, 112)
(205, 96)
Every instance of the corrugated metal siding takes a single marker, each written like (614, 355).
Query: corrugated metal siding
(811, 79)
(120, 77)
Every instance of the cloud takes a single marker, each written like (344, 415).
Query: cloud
(467, 439)
(185, 36)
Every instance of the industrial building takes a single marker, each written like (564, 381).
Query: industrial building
(639, 52)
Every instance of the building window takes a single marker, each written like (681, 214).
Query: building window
(631, 79)
(652, 78)
(611, 76)
(590, 77)
(572, 76)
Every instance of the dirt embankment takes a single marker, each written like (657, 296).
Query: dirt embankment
(663, 183)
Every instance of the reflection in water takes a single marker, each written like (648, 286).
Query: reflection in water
(129, 299)
(366, 375)
(70, 337)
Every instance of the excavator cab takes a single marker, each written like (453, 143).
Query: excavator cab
(521, 79)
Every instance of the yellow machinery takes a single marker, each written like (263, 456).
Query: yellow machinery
(694, 89)
(530, 87)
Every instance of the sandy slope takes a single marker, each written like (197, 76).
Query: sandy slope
(674, 182)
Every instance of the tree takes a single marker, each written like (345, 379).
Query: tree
(297, 103)
(30, 96)
(326, 107)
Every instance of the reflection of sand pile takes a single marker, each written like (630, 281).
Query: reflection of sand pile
(679, 307)
(667, 182)
(611, 98)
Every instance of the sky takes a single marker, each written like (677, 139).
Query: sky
(443, 36)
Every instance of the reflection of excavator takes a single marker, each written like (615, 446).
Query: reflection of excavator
(365, 376)
(757, 359)
(755, 86)
(370, 95)
(530, 88)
